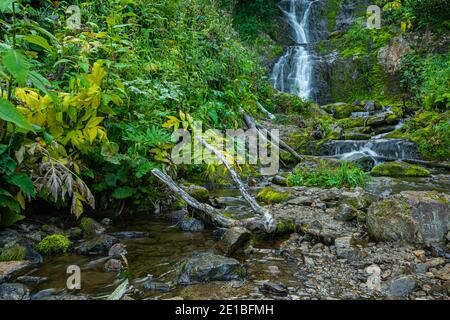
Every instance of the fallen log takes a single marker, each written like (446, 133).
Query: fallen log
(208, 213)
(269, 222)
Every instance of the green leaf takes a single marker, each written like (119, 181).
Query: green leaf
(8, 218)
(39, 41)
(17, 65)
(24, 183)
(41, 83)
(122, 193)
(110, 151)
(3, 148)
(9, 113)
(5, 5)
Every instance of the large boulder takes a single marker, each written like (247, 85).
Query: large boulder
(399, 169)
(190, 224)
(232, 240)
(342, 110)
(91, 227)
(411, 216)
(197, 192)
(206, 266)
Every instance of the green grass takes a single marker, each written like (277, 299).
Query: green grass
(346, 175)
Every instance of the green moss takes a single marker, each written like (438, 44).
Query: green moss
(13, 253)
(270, 195)
(342, 110)
(351, 123)
(399, 169)
(55, 243)
(286, 226)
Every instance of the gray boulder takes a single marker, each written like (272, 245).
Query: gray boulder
(14, 291)
(98, 245)
(206, 267)
(232, 240)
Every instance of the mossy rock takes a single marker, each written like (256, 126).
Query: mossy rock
(270, 195)
(91, 227)
(342, 110)
(349, 123)
(15, 252)
(53, 244)
(197, 192)
(399, 169)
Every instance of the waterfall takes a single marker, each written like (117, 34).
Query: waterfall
(293, 71)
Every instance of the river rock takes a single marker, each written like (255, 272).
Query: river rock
(382, 119)
(129, 234)
(14, 291)
(98, 245)
(206, 267)
(345, 249)
(74, 233)
(341, 110)
(117, 250)
(9, 267)
(189, 224)
(402, 287)
(411, 216)
(399, 169)
(232, 240)
(276, 289)
(351, 135)
(114, 265)
(151, 285)
(361, 160)
(358, 199)
(12, 245)
(91, 227)
(345, 212)
(31, 279)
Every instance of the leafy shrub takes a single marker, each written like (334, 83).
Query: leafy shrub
(55, 243)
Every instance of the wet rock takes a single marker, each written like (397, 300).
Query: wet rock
(43, 294)
(232, 240)
(279, 180)
(402, 287)
(218, 233)
(190, 224)
(350, 135)
(31, 279)
(276, 289)
(151, 285)
(382, 119)
(443, 273)
(114, 265)
(345, 249)
(14, 291)
(91, 227)
(361, 160)
(370, 106)
(106, 222)
(411, 216)
(206, 267)
(98, 245)
(438, 250)
(14, 247)
(345, 212)
(50, 229)
(117, 250)
(75, 233)
(399, 169)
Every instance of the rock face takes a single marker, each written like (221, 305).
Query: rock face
(206, 266)
(399, 169)
(232, 240)
(390, 56)
(411, 216)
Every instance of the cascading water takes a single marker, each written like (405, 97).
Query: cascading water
(293, 71)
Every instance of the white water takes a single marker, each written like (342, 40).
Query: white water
(293, 71)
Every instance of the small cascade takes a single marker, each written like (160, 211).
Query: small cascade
(293, 71)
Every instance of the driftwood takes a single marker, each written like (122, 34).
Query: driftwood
(210, 214)
(268, 220)
(263, 132)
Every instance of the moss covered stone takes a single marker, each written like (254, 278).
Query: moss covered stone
(197, 192)
(399, 169)
(342, 110)
(91, 227)
(55, 243)
(270, 195)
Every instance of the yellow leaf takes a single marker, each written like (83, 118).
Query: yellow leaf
(97, 75)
